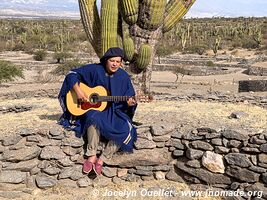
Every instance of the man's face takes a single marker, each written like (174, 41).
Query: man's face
(113, 64)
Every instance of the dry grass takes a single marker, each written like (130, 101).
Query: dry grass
(46, 111)
(208, 114)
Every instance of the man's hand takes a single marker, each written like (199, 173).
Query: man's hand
(81, 96)
(131, 101)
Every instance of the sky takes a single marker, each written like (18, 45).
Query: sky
(201, 8)
(229, 8)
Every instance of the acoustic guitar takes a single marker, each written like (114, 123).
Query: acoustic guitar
(98, 99)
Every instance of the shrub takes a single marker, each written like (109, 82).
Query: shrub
(61, 56)
(199, 49)
(8, 71)
(210, 63)
(66, 67)
(40, 55)
(250, 44)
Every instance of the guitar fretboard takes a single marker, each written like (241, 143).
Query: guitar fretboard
(113, 98)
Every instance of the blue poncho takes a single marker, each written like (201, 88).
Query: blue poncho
(115, 122)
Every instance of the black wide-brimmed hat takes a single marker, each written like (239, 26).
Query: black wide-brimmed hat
(112, 52)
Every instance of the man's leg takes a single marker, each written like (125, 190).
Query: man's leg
(109, 150)
(93, 138)
(107, 153)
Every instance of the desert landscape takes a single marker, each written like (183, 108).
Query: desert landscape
(196, 101)
(189, 103)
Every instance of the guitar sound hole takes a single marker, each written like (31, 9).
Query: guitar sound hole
(93, 98)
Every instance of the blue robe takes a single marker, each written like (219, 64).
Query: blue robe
(115, 122)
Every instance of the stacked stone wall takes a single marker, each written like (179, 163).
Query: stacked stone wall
(226, 159)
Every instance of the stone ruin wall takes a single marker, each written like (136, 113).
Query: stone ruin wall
(225, 159)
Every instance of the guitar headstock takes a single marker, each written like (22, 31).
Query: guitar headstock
(144, 98)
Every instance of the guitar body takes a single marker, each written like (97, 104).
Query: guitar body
(79, 108)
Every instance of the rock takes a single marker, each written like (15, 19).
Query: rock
(51, 170)
(194, 154)
(177, 143)
(234, 143)
(163, 168)
(74, 173)
(84, 182)
(65, 162)
(221, 150)
(256, 140)
(52, 152)
(202, 145)
(250, 150)
(262, 158)
(54, 132)
(11, 140)
(192, 136)
(24, 166)
(71, 151)
(162, 138)
(122, 172)
(159, 175)
(216, 141)
(177, 134)
(25, 132)
(257, 169)
(109, 172)
(144, 144)
(73, 142)
(118, 181)
(28, 153)
(45, 181)
(238, 115)
(33, 138)
(213, 162)
(158, 130)
(48, 142)
(204, 175)
(213, 135)
(242, 174)
(206, 130)
(178, 153)
(252, 85)
(259, 190)
(238, 159)
(233, 134)
(2, 149)
(12, 176)
(144, 157)
(173, 176)
(263, 148)
(193, 163)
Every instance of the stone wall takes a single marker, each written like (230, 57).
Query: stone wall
(224, 159)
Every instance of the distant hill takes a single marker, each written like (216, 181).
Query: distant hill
(39, 9)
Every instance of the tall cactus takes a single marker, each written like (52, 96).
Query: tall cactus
(147, 20)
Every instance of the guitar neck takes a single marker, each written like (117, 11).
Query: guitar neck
(113, 98)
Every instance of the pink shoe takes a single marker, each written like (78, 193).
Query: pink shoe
(97, 168)
(87, 166)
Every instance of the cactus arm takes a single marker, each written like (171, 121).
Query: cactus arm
(130, 11)
(91, 23)
(175, 10)
(151, 14)
(109, 23)
(128, 46)
(144, 56)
